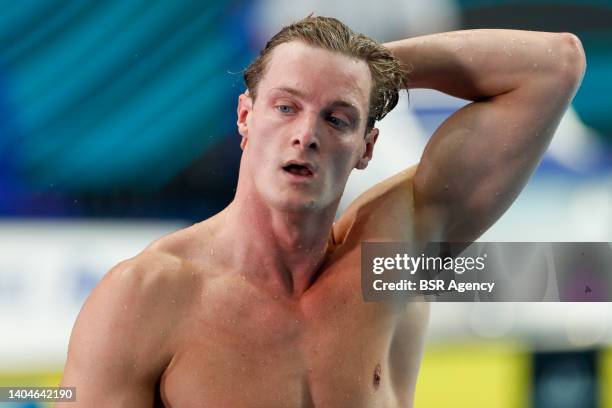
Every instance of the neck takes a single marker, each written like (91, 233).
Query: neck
(280, 250)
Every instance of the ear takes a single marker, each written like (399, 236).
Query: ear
(369, 141)
(245, 106)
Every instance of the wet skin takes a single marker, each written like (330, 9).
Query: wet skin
(240, 346)
(258, 336)
(260, 305)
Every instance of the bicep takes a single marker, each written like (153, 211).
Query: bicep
(482, 156)
(104, 383)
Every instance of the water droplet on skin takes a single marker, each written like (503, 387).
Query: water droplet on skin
(173, 300)
(124, 307)
(549, 51)
(212, 251)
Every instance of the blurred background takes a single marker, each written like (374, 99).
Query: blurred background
(117, 126)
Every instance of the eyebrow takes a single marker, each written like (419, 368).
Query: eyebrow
(339, 103)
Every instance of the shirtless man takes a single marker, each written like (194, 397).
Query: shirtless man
(260, 305)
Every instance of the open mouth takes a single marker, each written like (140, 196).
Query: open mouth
(298, 170)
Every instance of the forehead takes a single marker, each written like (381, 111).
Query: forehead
(322, 75)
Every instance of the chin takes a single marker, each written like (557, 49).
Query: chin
(296, 199)
(295, 205)
(295, 202)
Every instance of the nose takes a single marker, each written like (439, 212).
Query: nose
(306, 135)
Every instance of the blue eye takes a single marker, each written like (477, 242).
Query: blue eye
(339, 123)
(284, 109)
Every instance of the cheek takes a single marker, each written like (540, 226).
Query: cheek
(262, 158)
(342, 163)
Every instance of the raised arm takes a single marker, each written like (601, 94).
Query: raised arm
(119, 344)
(480, 158)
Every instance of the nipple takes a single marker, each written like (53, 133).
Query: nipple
(376, 377)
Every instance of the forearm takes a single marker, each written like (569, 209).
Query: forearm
(479, 64)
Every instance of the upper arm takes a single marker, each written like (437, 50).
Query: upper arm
(481, 157)
(116, 352)
(474, 165)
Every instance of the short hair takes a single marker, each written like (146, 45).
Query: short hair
(388, 73)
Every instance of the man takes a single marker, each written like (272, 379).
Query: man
(260, 305)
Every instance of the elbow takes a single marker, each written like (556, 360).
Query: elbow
(572, 63)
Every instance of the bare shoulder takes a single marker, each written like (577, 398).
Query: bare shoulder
(153, 276)
(190, 243)
(385, 212)
(123, 337)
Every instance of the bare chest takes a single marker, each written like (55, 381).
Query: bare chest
(243, 348)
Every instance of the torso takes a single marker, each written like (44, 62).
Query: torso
(238, 346)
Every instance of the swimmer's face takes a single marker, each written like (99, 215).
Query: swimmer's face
(306, 130)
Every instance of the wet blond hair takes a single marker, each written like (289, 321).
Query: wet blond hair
(388, 74)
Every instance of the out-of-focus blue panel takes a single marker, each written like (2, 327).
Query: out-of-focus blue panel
(114, 94)
(592, 100)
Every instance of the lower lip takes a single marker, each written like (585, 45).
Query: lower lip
(298, 177)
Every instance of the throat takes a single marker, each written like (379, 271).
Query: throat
(300, 273)
(277, 250)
